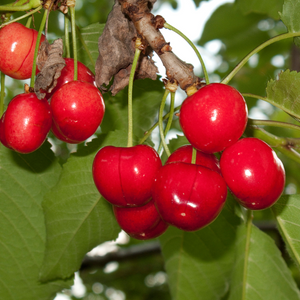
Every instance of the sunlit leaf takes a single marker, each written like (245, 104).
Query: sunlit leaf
(284, 92)
(260, 271)
(238, 32)
(200, 262)
(24, 179)
(77, 217)
(287, 213)
(290, 17)
(270, 8)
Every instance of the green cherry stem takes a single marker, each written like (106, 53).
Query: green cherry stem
(256, 50)
(194, 156)
(160, 123)
(284, 145)
(149, 132)
(42, 25)
(271, 102)
(273, 124)
(28, 23)
(170, 119)
(130, 89)
(67, 39)
(22, 17)
(73, 25)
(21, 5)
(168, 26)
(2, 95)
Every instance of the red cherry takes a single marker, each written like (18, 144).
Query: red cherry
(77, 109)
(60, 136)
(27, 122)
(17, 44)
(142, 222)
(67, 75)
(184, 154)
(188, 196)
(2, 132)
(124, 176)
(214, 117)
(253, 173)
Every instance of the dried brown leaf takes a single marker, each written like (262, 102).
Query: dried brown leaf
(50, 62)
(116, 53)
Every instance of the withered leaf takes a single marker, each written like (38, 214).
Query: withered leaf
(50, 62)
(116, 53)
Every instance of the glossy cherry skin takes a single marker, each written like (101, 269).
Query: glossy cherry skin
(27, 123)
(77, 110)
(141, 222)
(184, 154)
(253, 173)
(67, 75)
(124, 176)
(60, 136)
(188, 196)
(2, 132)
(214, 117)
(17, 44)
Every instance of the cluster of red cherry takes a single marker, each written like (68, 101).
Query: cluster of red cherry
(76, 108)
(147, 197)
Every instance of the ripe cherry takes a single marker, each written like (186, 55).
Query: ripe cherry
(142, 222)
(124, 176)
(253, 173)
(27, 122)
(188, 196)
(184, 154)
(17, 44)
(77, 109)
(2, 133)
(214, 117)
(67, 75)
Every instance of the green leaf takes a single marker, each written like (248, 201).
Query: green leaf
(77, 217)
(87, 44)
(287, 214)
(260, 271)
(238, 32)
(197, 2)
(270, 8)
(147, 95)
(24, 179)
(290, 17)
(200, 262)
(284, 92)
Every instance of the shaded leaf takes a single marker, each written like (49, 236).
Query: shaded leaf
(260, 271)
(200, 262)
(284, 92)
(87, 44)
(77, 217)
(287, 214)
(270, 8)
(24, 179)
(238, 32)
(147, 95)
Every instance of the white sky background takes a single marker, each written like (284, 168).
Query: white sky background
(190, 21)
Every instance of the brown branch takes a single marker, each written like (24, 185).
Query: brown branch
(122, 254)
(148, 26)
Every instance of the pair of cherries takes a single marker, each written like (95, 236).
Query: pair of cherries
(75, 112)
